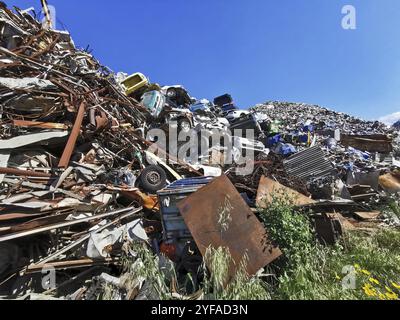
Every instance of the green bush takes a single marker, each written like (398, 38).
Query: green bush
(316, 272)
(289, 228)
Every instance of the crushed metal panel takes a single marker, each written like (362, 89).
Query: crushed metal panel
(242, 233)
(364, 178)
(101, 243)
(267, 187)
(309, 164)
(27, 83)
(30, 103)
(25, 140)
(371, 143)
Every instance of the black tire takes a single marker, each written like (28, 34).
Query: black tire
(172, 93)
(153, 178)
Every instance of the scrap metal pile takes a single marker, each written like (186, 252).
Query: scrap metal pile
(81, 184)
(356, 153)
(71, 148)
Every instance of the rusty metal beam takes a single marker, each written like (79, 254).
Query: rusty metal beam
(40, 125)
(72, 264)
(24, 173)
(63, 224)
(69, 148)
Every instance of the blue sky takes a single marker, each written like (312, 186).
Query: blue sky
(257, 50)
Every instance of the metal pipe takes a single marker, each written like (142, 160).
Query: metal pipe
(45, 6)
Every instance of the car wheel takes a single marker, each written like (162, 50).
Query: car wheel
(153, 178)
(171, 93)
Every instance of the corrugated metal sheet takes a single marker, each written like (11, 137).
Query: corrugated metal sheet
(309, 164)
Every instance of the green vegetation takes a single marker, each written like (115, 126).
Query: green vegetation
(216, 285)
(362, 266)
(313, 271)
(394, 207)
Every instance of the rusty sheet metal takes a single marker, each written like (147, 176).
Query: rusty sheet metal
(267, 187)
(371, 143)
(217, 216)
(43, 220)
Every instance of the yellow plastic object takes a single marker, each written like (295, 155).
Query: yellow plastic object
(134, 83)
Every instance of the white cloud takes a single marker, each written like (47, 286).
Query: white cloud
(391, 118)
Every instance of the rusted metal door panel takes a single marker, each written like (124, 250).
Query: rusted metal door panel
(217, 216)
(370, 143)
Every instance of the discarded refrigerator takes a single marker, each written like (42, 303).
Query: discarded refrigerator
(175, 231)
